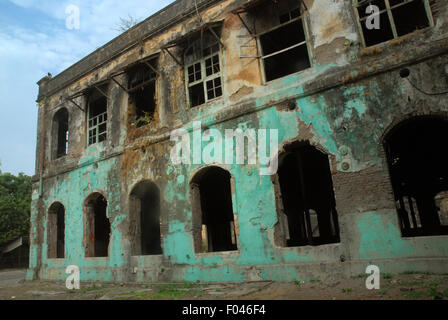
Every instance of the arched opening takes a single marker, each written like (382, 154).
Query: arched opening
(309, 215)
(145, 219)
(60, 133)
(213, 219)
(419, 174)
(56, 231)
(97, 226)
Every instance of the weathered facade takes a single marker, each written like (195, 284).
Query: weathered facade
(362, 127)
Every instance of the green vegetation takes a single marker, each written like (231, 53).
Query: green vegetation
(297, 282)
(415, 295)
(386, 275)
(15, 206)
(165, 291)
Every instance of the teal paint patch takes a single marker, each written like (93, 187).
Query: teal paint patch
(290, 256)
(313, 111)
(380, 237)
(385, 244)
(355, 101)
(178, 244)
(222, 273)
(180, 179)
(279, 273)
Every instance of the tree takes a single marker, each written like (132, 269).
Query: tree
(15, 206)
(126, 23)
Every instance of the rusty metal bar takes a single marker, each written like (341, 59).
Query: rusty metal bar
(151, 67)
(101, 91)
(244, 24)
(121, 86)
(216, 36)
(411, 207)
(309, 232)
(72, 101)
(172, 56)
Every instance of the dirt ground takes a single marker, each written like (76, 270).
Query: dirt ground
(412, 286)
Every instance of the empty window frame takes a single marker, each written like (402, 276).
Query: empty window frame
(97, 115)
(142, 91)
(309, 215)
(202, 60)
(145, 219)
(419, 174)
(214, 227)
(60, 133)
(56, 231)
(396, 18)
(96, 226)
(282, 39)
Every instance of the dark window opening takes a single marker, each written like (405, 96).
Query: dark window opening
(60, 132)
(97, 116)
(419, 175)
(284, 45)
(145, 213)
(309, 216)
(397, 18)
(56, 231)
(142, 91)
(203, 68)
(214, 225)
(97, 227)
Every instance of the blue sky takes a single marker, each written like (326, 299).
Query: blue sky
(34, 40)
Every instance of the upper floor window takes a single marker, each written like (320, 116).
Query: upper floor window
(97, 115)
(396, 18)
(142, 91)
(202, 61)
(282, 39)
(60, 133)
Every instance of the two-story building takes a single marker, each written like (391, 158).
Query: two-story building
(361, 118)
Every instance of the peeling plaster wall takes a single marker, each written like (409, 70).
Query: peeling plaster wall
(345, 103)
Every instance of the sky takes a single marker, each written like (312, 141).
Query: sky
(39, 37)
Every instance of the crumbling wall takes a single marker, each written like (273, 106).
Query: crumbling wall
(343, 105)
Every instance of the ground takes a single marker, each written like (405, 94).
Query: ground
(411, 285)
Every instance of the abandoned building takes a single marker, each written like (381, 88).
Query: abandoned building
(362, 120)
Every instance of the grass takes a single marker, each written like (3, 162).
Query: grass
(387, 275)
(346, 290)
(361, 276)
(382, 292)
(297, 282)
(435, 294)
(418, 272)
(415, 295)
(165, 291)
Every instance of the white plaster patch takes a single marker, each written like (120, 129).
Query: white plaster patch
(331, 17)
